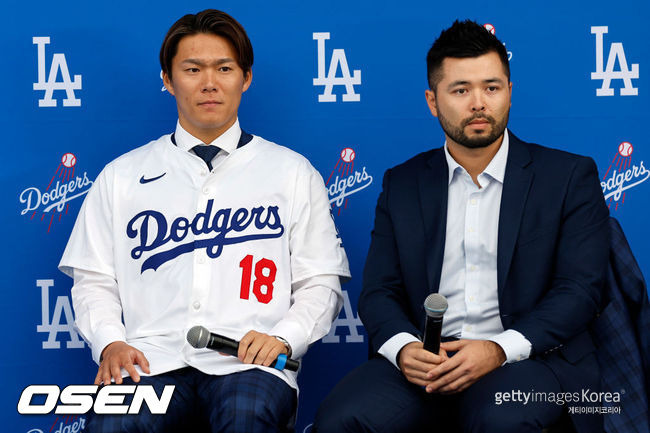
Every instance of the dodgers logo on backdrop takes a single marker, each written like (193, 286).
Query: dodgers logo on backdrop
(62, 424)
(153, 231)
(490, 28)
(607, 73)
(622, 174)
(345, 181)
(50, 85)
(54, 326)
(330, 80)
(53, 202)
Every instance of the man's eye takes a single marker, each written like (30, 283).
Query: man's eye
(460, 91)
(225, 69)
(492, 89)
(193, 70)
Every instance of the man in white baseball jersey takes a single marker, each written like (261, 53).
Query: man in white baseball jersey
(206, 226)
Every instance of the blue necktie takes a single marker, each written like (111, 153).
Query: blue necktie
(206, 153)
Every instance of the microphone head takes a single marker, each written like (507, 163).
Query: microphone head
(435, 305)
(198, 337)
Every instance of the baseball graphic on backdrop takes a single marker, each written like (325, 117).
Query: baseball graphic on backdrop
(347, 154)
(68, 160)
(625, 149)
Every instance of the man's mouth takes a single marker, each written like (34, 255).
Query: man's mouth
(479, 121)
(209, 103)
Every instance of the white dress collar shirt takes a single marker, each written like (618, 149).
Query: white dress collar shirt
(227, 141)
(469, 268)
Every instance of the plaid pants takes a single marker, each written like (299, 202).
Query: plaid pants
(245, 402)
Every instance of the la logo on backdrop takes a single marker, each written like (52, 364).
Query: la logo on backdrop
(622, 174)
(607, 73)
(59, 63)
(55, 325)
(338, 60)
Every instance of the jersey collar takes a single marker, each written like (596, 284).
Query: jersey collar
(227, 141)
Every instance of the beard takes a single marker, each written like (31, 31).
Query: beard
(457, 133)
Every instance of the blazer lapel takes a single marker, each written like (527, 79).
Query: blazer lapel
(433, 188)
(517, 181)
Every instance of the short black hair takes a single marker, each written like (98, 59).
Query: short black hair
(463, 39)
(210, 21)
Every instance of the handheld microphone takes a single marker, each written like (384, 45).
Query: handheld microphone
(435, 306)
(199, 337)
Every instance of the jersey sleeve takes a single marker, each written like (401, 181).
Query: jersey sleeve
(315, 303)
(98, 311)
(318, 262)
(315, 245)
(90, 246)
(88, 258)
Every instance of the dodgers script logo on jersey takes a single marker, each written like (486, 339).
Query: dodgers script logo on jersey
(53, 202)
(347, 181)
(330, 80)
(622, 175)
(58, 64)
(154, 231)
(607, 73)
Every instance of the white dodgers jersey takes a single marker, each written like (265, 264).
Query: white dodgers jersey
(188, 247)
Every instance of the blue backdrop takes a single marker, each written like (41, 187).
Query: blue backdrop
(83, 78)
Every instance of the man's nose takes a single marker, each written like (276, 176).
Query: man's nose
(209, 83)
(478, 103)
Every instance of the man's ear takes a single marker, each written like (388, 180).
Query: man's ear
(248, 78)
(430, 95)
(168, 83)
(510, 90)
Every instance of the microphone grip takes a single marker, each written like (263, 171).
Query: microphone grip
(432, 331)
(223, 344)
(231, 347)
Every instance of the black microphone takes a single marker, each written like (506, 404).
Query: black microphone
(199, 337)
(435, 306)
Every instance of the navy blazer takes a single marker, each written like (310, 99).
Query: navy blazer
(553, 244)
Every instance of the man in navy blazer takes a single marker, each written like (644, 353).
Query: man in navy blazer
(515, 235)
